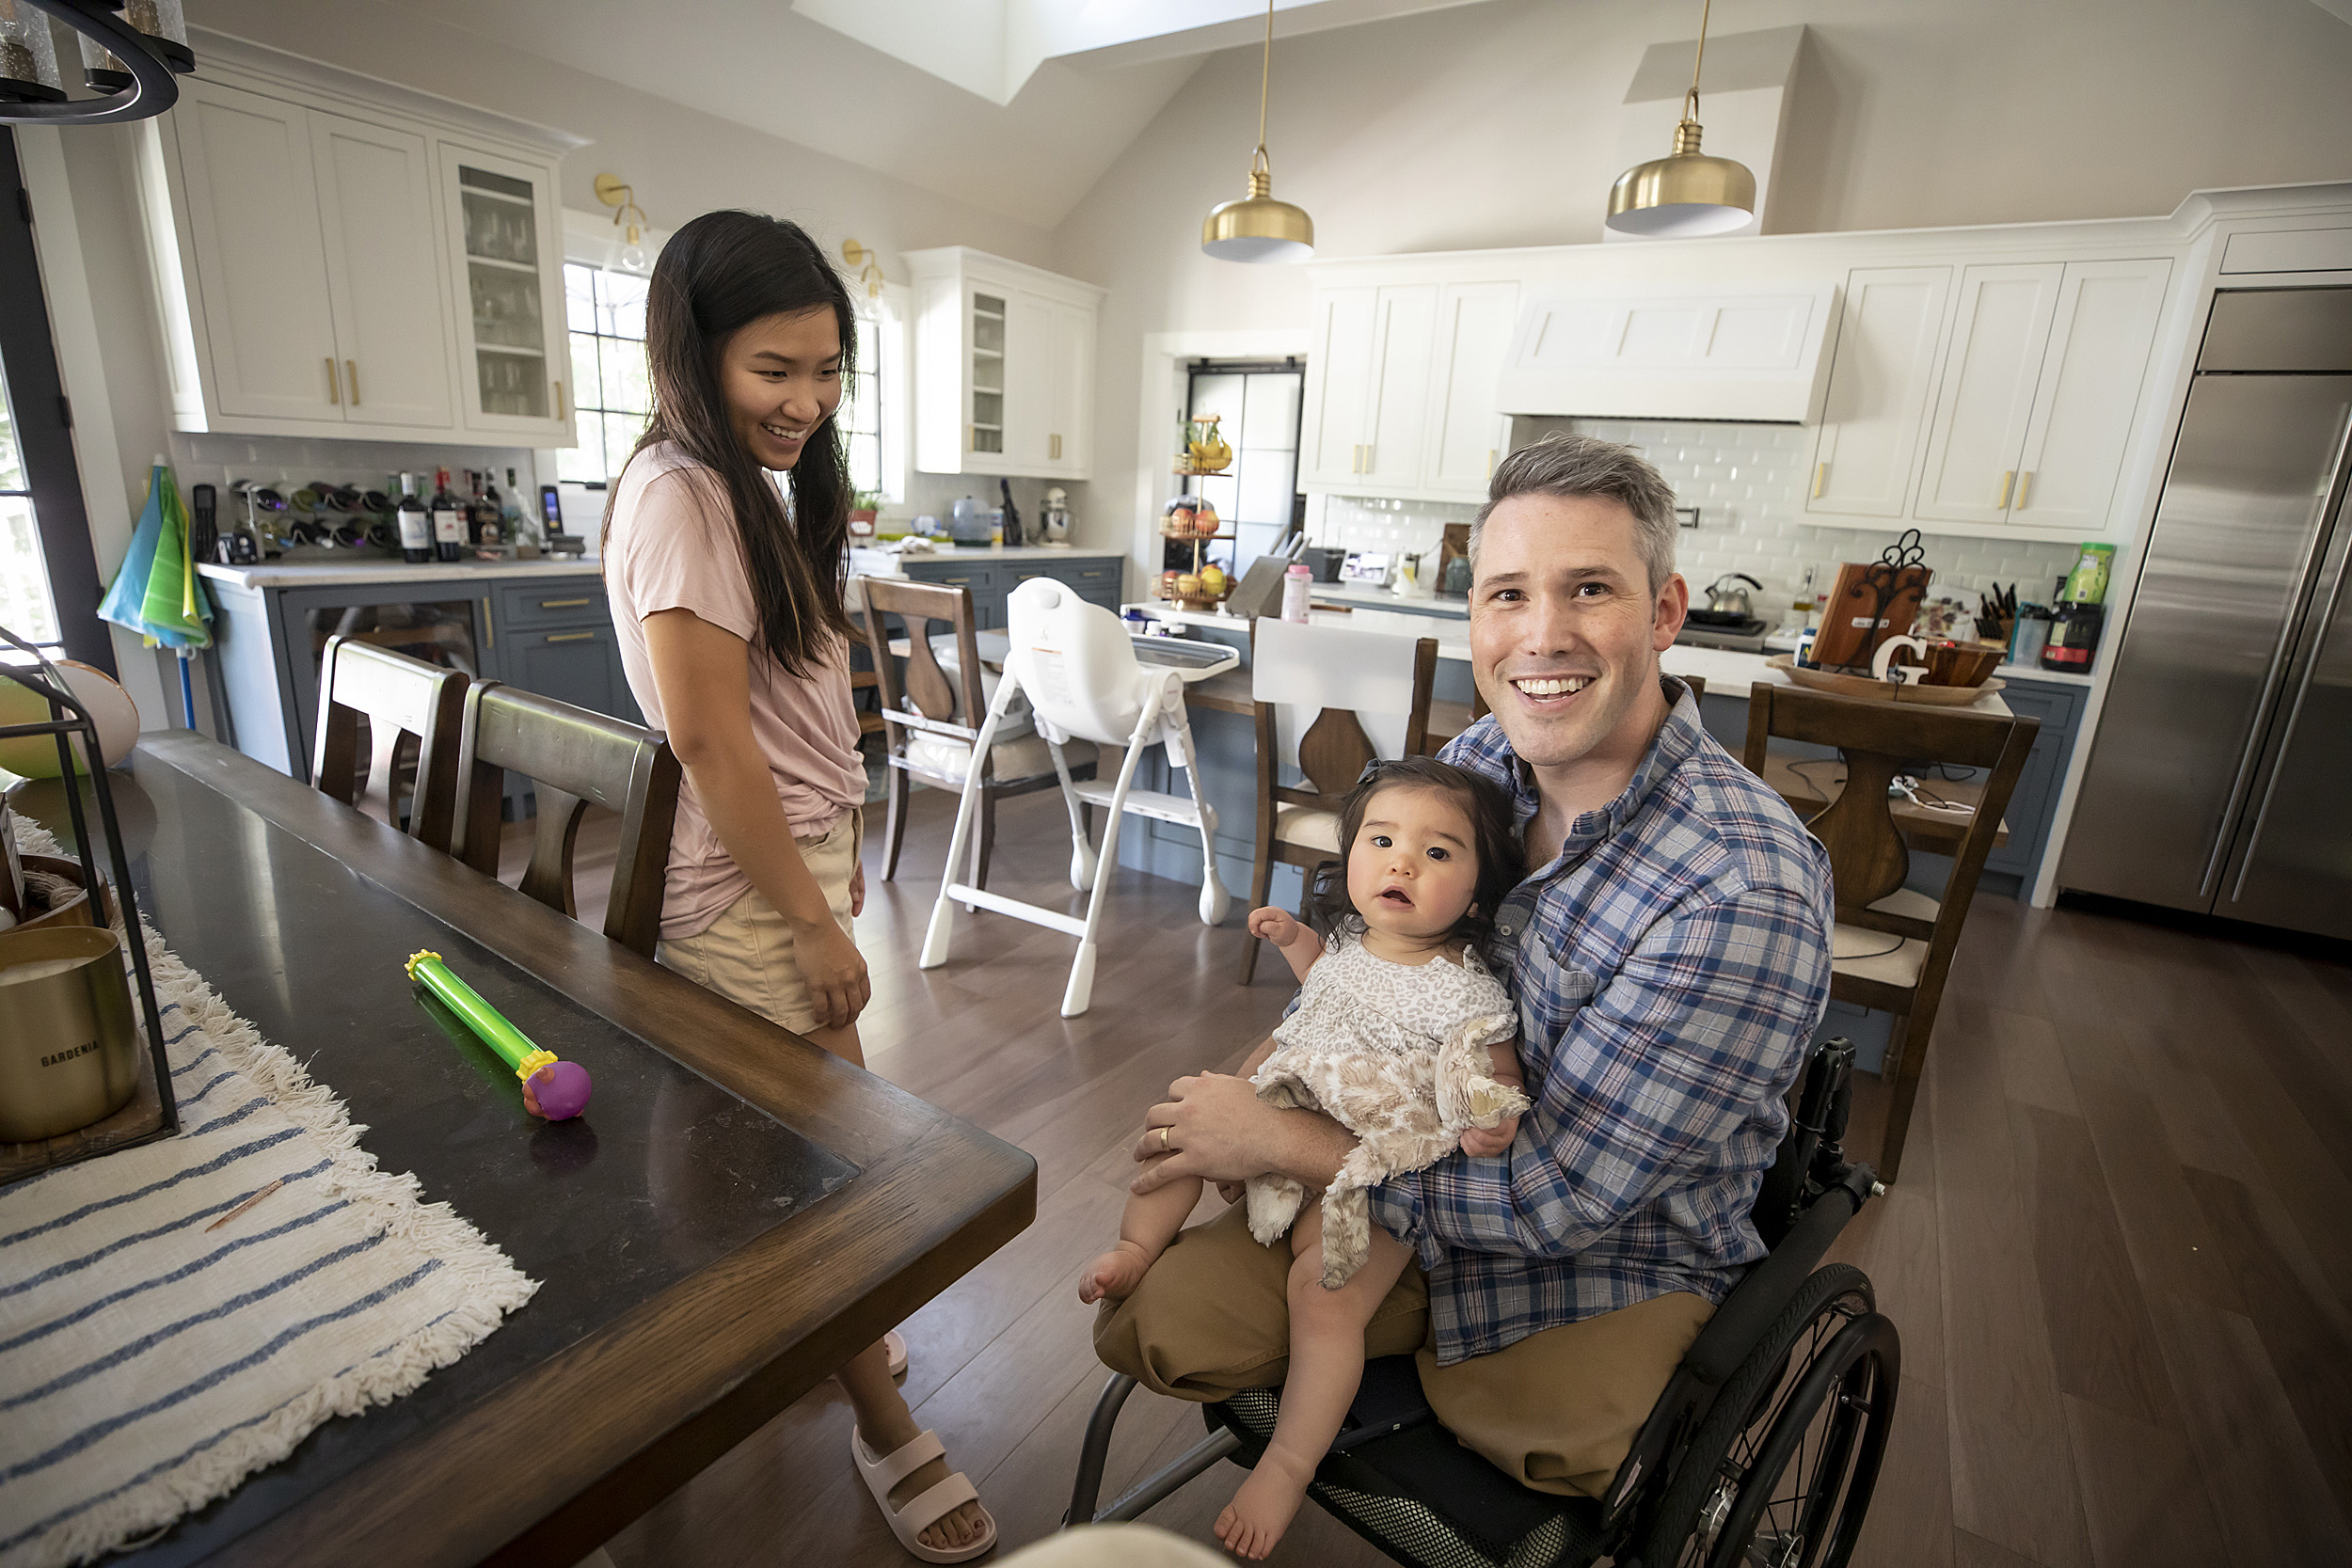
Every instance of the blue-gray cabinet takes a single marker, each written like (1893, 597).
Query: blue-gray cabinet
(2010, 868)
(990, 578)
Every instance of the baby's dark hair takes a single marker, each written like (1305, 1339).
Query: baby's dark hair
(1494, 841)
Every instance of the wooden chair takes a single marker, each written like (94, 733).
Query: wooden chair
(934, 709)
(402, 700)
(574, 759)
(1314, 686)
(1892, 947)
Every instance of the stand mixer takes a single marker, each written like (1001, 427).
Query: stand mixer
(1053, 519)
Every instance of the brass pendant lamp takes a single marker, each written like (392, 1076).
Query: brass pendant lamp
(1258, 227)
(1687, 193)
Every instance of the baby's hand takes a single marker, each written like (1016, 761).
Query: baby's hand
(1479, 1142)
(1278, 926)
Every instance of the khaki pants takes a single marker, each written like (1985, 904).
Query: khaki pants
(746, 954)
(1559, 1410)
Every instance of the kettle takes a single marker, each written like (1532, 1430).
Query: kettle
(1724, 599)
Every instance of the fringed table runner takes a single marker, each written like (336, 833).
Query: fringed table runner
(151, 1356)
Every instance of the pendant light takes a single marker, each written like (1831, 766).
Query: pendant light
(129, 60)
(1686, 193)
(1258, 227)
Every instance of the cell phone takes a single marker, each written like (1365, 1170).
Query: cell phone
(551, 509)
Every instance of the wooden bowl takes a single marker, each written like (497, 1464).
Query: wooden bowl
(1965, 664)
(1869, 691)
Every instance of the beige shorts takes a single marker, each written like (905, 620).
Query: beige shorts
(746, 954)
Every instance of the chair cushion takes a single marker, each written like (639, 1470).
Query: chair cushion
(1308, 827)
(1024, 757)
(1882, 955)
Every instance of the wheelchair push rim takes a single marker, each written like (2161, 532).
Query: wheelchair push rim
(1799, 1478)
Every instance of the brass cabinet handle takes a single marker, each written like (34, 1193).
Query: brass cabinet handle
(1055, 442)
(2025, 484)
(1821, 472)
(1490, 462)
(489, 627)
(1370, 460)
(956, 582)
(2009, 478)
(351, 367)
(569, 636)
(565, 604)
(563, 409)
(334, 388)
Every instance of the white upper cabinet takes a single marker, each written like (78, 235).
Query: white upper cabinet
(1004, 367)
(252, 210)
(1879, 381)
(1469, 435)
(509, 270)
(383, 272)
(339, 273)
(2093, 379)
(1397, 430)
(1990, 372)
(1340, 360)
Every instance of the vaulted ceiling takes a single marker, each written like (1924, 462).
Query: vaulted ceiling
(1017, 106)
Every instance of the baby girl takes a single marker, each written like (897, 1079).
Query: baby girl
(1400, 1034)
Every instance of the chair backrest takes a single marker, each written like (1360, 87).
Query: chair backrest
(574, 759)
(1878, 740)
(1076, 663)
(399, 697)
(954, 703)
(1330, 699)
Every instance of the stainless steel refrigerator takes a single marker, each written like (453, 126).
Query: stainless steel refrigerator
(2221, 777)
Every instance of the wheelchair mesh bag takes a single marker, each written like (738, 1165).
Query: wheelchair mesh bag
(1379, 1488)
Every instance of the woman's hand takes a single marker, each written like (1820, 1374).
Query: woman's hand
(857, 890)
(838, 988)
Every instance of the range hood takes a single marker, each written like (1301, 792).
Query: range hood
(1678, 355)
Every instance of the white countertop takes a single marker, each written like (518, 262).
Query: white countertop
(1727, 674)
(329, 574)
(873, 561)
(1357, 594)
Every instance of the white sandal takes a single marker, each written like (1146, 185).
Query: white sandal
(926, 1508)
(896, 1344)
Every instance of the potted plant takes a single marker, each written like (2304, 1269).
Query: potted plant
(863, 505)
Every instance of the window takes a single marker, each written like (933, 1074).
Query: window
(607, 313)
(24, 606)
(860, 418)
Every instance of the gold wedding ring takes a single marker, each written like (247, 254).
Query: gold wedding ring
(1164, 1149)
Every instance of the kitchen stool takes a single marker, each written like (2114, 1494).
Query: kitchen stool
(1086, 679)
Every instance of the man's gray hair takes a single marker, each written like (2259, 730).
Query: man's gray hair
(1566, 464)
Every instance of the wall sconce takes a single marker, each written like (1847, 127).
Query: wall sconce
(868, 267)
(616, 195)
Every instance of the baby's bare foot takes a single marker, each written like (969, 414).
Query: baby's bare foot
(1114, 1275)
(1262, 1510)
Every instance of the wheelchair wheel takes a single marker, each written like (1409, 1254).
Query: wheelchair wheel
(1779, 1475)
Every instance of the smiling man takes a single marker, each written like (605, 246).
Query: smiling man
(1669, 950)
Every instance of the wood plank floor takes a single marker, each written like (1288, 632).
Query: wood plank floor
(2121, 1255)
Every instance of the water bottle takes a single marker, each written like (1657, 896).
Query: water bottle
(1297, 583)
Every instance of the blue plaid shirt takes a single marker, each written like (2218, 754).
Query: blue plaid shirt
(1670, 966)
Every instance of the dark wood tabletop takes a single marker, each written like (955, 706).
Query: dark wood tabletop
(737, 1215)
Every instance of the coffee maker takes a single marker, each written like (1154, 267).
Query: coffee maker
(1053, 519)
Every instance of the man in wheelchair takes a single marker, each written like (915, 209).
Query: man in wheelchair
(1670, 954)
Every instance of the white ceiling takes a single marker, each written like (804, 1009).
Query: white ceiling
(1017, 106)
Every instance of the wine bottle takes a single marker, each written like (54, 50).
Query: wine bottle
(416, 523)
(483, 511)
(449, 520)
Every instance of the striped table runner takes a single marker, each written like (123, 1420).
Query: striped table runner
(157, 1345)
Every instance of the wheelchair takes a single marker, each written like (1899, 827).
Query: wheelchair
(1763, 1450)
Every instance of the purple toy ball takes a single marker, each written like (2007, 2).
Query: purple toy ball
(557, 1092)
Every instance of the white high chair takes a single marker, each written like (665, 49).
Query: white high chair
(1086, 678)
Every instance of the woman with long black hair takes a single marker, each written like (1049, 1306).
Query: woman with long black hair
(727, 601)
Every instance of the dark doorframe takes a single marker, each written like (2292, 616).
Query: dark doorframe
(43, 421)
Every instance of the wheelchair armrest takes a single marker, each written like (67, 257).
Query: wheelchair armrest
(1757, 1300)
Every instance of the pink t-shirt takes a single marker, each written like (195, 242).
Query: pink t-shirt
(673, 546)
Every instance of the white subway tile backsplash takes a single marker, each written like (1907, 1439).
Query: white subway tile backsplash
(1748, 483)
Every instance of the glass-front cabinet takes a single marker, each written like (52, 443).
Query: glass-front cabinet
(509, 267)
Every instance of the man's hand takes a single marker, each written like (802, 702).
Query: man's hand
(1216, 1127)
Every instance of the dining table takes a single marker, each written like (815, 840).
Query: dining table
(737, 1215)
